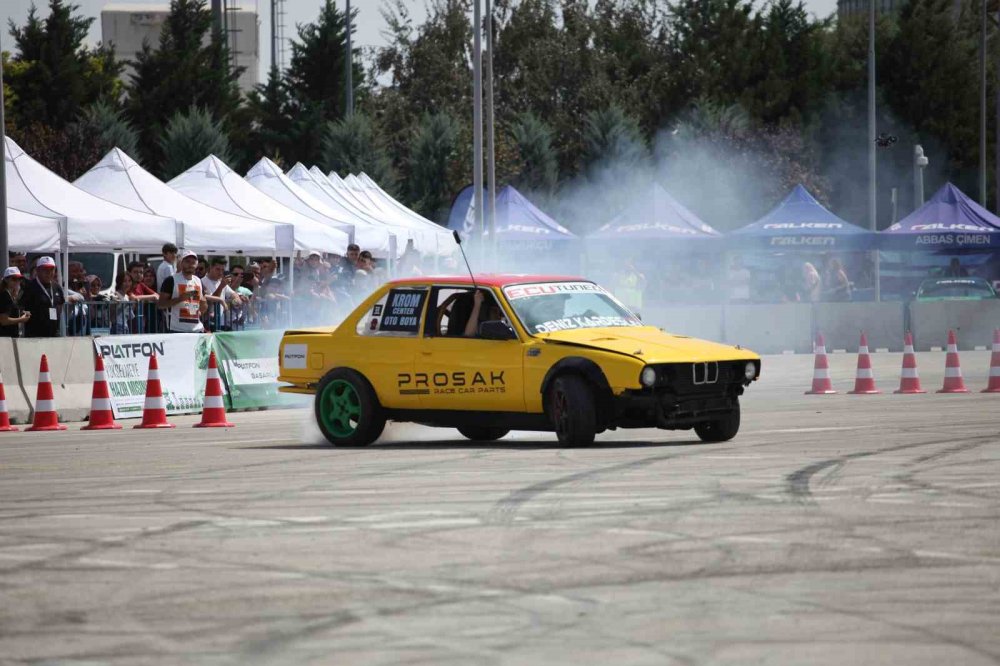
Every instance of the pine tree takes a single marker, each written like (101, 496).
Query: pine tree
(188, 138)
(58, 74)
(189, 67)
(351, 146)
(538, 163)
(109, 128)
(270, 108)
(433, 149)
(612, 138)
(316, 71)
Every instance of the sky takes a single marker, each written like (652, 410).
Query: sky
(368, 33)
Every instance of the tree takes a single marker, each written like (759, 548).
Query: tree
(190, 67)
(351, 146)
(58, 75)
(67, 152)
(270, 109)
(434, 147)
(316, 71)
(108, 126)
(612, 138)
(538, 164)
(188, 138)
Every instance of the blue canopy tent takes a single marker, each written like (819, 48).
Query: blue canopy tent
(923, 242)
(656, 217)
(800, 222)
(948, 221)
(518, 220)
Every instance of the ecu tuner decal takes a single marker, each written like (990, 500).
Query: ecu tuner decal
(451, 383)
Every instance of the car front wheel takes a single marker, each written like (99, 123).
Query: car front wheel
(572, 410)
(347, 410)
(720, 430)
(483, 433)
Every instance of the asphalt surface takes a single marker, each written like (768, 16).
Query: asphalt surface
(834, 529)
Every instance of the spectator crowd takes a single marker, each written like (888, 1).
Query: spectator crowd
(183, 292)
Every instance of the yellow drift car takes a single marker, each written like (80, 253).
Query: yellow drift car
(510, 353)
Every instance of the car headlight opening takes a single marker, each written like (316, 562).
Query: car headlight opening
(750, 371)
(648, 376)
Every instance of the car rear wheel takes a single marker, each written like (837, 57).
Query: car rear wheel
(483, 433)
(571, 409)
(720, 430)
(347, 410)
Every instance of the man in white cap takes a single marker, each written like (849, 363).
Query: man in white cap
(10, 303)
(43, 298)
(181, 295)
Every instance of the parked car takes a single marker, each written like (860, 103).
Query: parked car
(543, 353)
(955, 289)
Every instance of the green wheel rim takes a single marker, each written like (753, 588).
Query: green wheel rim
(340, 408)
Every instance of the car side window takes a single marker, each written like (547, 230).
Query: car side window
(451, 308)
(397, 314)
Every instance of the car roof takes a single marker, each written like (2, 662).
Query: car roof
(487, 279)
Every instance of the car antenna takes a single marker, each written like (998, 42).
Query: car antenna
(458, 239)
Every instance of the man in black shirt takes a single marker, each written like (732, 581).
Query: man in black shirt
(44, 299)
(10, 306)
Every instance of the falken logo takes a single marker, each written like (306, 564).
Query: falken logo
(804, 225)
(444, 383)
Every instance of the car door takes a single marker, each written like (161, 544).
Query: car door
(466, 373)
(389, 335)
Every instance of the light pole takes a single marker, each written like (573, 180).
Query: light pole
(982, 106)
(919, 163)
(872, 139)
(491, 173)
(349, 74)
(4, 256)
(477, 119)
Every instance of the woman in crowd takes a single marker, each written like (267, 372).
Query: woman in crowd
(838, 286)
(11, 315)
(122, 307)
(812, 285)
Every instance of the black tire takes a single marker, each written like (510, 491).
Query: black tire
(720, 430)
(572, 409)
(483, 433)
(363, 428)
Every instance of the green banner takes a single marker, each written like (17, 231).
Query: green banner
(248, 361)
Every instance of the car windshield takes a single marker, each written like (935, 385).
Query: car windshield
(559, 306)
(957, 289)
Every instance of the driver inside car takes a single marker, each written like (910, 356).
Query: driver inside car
(492, 313)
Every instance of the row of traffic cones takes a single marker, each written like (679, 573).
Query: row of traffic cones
(154, 412)
(909, 379)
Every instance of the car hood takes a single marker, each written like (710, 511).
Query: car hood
(648, 344)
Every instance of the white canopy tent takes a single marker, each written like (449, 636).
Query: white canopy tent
(267, 177)
(92, 224)
(38, 234)
(214, 184)
(305, 179)
(374, 192)
(117, 177)
(427, 240)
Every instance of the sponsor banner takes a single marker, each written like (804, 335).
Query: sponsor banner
(182, 359)
(516, 292)
(248, 362)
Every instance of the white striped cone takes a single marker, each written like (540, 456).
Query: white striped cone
(821, 384)
(154, 410)
(213, 413)
(909, 379)
(45, 403)
(953, 381)
(864, 379)
(993, 386)
(5, 425)
(101, 415)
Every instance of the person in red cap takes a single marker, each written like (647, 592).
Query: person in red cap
(10, 307)
(43, 298)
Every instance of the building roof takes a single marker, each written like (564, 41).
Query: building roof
(488, 279)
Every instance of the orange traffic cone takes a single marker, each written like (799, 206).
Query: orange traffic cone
(953, 382)
(992, 387)
(821, 369)
(154, 411)
(45, 403)
(101, 416)
(864, 379)
(909, 379)
(5, 425)
(213, 413)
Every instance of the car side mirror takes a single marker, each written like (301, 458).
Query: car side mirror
(496, 330)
